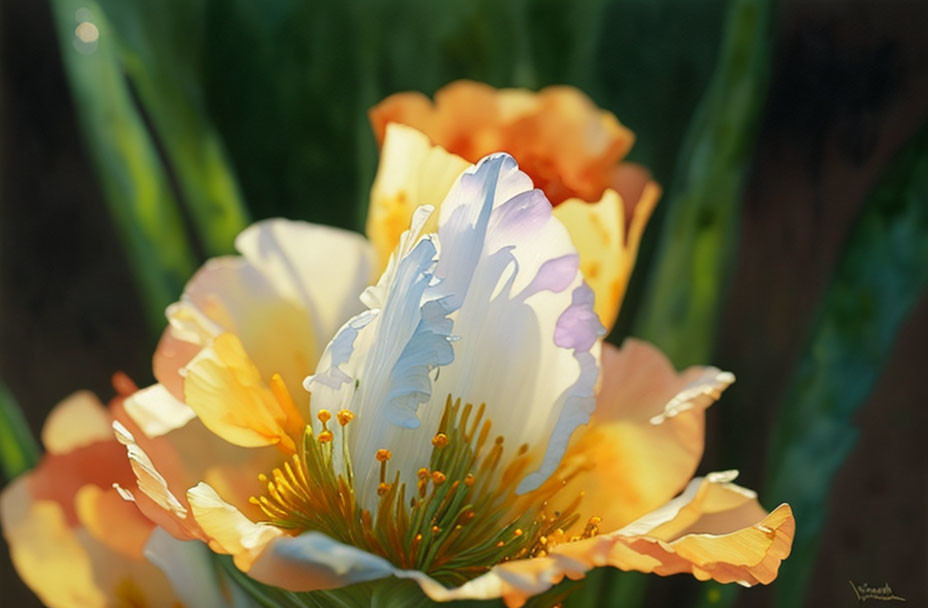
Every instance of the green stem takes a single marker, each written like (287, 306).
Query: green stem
(160, 50)
(682, 300)
(135, 184)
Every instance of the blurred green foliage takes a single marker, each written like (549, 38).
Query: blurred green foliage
(135, 184)
(202, 114)
(881, 275)
(690, 272)
(19, 450)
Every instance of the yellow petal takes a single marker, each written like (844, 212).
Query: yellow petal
(78, 420)
(227, 528)
(45, 551)
(223, 386)
(276, 327)
(412, 172)
(646, 436)
(598, 234)
(714, 530)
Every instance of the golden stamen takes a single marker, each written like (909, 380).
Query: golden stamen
(449, 525)
(344, 417)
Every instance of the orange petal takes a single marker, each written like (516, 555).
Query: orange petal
(412, 109)
(646, 436)
(568, 146)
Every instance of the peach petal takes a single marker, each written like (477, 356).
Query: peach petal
(149, 480)
(747, 547)
(172, 354)
(112, 521)
(59, 476)
(646, 435)
(79, 420)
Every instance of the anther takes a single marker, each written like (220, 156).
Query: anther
(383, 456)
(518, 532)
(344, 417)
(440, 440)
(423, 473)
(438, 477)
(324, 416)
(469, 480)
(383, 488)
(325, 436)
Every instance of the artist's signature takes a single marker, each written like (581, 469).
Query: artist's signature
(865, 592)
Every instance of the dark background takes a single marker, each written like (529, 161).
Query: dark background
(849, 85)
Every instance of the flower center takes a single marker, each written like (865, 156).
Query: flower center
(458, 517)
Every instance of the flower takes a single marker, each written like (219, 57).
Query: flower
(75, 541)
(443, 436)
(571, 149)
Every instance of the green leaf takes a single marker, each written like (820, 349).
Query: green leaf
(134, 181)
(161, 50)
(881, 274)
(683, 297)
(19, 450)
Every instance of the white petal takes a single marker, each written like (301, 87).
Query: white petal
(314, 561)
(188, 566)
(324, 268)
(156, 411)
